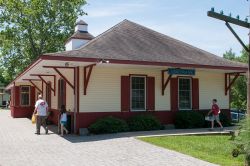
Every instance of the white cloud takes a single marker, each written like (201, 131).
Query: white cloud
(116, 9)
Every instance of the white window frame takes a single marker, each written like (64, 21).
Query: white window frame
(21, 96)
(191, 91)
(145, 93)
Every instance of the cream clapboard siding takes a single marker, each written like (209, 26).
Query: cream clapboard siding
(212, 85)
(104, 91)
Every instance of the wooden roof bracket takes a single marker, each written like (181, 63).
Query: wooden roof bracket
(31, 81)
(163, 82)
(46, 83)
(48, 75)
(64, 78)
(87, 70)
(228, 82)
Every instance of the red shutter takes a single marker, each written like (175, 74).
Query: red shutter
(32, 96)
(150, 93)
(174, 94)
(195, 93)
(17, 95)
(125, 93)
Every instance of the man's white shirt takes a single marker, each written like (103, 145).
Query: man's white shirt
(41, 106)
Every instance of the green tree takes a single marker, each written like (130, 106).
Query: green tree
(239, 89)
(29, 28)
(229, 55)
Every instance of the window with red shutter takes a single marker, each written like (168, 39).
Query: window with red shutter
(185, 93)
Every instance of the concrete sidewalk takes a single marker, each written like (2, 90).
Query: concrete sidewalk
(20, 146)
(169, 132)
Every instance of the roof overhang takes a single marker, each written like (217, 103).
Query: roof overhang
(46, 60)
(116, 61)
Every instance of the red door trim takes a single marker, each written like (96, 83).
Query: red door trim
(78, 90)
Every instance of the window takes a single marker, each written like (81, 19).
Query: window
(185, 93)
(138, 93)
(25, 95)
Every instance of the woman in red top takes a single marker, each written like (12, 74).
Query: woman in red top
(215, 110)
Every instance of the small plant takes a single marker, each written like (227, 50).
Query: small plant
(108, 125)
(144, 122)
(189, 119)
(242, 141)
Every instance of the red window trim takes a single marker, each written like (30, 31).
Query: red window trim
(191, 85)
(20, 95)
(145, 89)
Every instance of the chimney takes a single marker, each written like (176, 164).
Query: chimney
(80, 37)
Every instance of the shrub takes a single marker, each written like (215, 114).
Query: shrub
(225, 120)
(189, 119)
(242, 141)
(108, 125)
(144, 123)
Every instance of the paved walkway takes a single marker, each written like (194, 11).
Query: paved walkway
(20, 146)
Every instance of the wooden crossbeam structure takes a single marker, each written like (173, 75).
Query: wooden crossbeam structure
(163, 82)
(56, 68)
(43, 81)
(87, 70)
(46, 83)
(229, 82)
(31, 81)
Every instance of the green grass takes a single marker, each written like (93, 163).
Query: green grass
(215, 149)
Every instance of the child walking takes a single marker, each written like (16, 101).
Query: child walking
(215, 111)
(63, 120)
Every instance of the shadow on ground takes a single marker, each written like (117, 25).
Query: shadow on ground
(93, 138)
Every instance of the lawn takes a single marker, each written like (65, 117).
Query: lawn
(215, 149)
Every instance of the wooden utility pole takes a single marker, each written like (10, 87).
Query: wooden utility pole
(245, 24)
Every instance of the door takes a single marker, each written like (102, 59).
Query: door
(61, 93)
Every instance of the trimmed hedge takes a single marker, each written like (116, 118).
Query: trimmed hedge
(108, 125)
(144, 123)
(189, 119)
(114, 125)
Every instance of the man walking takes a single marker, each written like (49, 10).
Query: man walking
(41, 110)
(215, 111)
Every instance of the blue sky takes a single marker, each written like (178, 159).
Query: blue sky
(185, 20)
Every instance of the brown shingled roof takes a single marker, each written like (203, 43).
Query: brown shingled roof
(130, 41)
